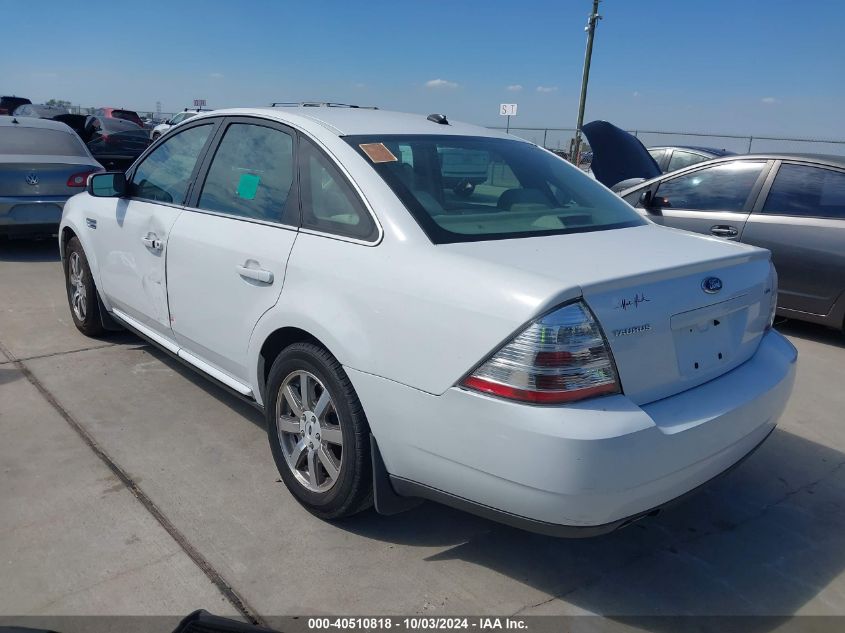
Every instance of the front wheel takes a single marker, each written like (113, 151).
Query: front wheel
(81, 291)
(318, 432)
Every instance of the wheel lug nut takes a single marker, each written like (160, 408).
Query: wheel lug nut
(310, 445)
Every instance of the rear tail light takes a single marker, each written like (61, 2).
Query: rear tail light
(561, 357)
(79, 180)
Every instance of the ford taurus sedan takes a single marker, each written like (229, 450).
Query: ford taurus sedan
(532, 350)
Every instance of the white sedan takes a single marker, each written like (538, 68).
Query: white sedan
(531, 350)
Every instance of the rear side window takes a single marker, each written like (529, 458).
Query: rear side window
(801, 190)
(32, 141)
(723, 187)
(467, 188)
(681, 159)
(165, 174)
(329, 204)
(251, 175)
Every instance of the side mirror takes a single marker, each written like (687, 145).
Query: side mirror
(167, 121)
(111, 184)
(645, 199)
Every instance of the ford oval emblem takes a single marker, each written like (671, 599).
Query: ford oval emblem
(711, 285)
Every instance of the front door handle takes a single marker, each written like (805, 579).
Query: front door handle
(723, 230)
(255, 273)
(152, 242)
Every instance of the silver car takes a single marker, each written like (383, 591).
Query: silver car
(791, 204)
(42, 164)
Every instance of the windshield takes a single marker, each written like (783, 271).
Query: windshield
(464, 189)
(32, 141)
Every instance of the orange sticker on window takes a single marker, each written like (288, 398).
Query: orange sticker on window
(378, 153)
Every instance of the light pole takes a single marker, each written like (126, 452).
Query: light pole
(591, 30)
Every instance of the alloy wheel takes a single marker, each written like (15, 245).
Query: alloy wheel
(78, 293)
(309, 430)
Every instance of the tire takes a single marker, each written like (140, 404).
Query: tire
(323, 430)
(81, 292)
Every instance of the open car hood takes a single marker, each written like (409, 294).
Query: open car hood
(618, 155)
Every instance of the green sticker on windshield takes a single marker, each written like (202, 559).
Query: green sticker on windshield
(248, 186)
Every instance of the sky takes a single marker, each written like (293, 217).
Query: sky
(766, 67)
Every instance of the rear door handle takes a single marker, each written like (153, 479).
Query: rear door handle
(258, 274)
(723, 230)
(152, 242)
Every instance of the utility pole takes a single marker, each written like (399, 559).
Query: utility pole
(591, 30)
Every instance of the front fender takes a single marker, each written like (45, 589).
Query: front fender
(74, 217)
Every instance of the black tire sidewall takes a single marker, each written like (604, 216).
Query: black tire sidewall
(354, 480)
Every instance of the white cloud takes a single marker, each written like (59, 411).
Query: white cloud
(216, 75)
(440, 83)
(636, 93)
(360, 85)
(514, 88)
(769, 100)
(546, 88)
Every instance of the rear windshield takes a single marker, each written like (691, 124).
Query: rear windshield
(126, 115)
(462, 188)
(35, 141)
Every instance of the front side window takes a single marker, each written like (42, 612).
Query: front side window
(681, 159)
(801, 190)
(329, 204)
(723, 187)
(251, 175)
(165, 174)
(462, 188)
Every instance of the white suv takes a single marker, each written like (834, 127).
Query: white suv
(531, 350)
(176, 119)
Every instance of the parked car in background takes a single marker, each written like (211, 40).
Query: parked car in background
(119, 113)
(791, 204)
(40, 110)
(10, 104)
(114, 142)
(674, 157)
(176, 119)
(42, 164)
(536, 352)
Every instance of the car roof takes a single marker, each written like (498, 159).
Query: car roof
(695, 148)
(346, 121)
(33, 122)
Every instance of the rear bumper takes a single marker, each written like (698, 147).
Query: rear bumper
(31, 215)
(593, 465)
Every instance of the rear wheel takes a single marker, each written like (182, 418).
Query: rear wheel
(81, 291)
(318, 432)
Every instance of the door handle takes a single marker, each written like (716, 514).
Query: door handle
(152, 242)
(257, 274)
(723, 230)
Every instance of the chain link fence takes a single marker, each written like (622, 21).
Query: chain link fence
(560, 138)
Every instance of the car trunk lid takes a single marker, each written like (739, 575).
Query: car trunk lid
(33, 178)
(654, 292)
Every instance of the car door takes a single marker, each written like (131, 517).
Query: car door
(715, 199)
(227, 253)
(132, 232)
(801, 219)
